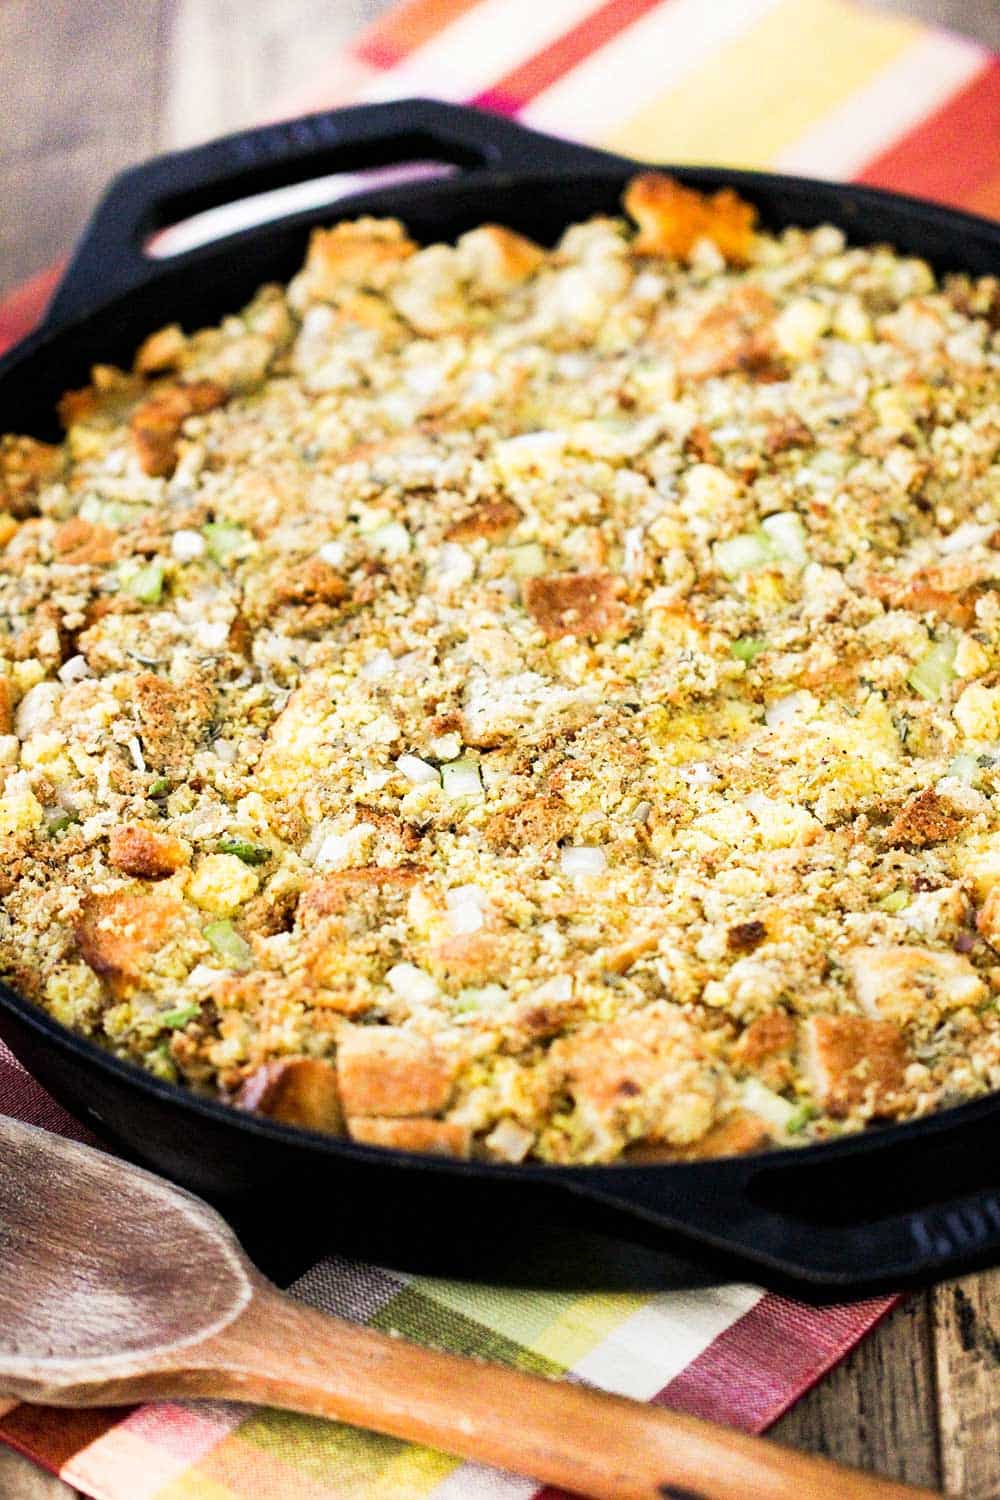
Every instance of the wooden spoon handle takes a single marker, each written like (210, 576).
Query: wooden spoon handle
(281, 1353)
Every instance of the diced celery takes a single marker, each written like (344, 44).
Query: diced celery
(747, 647)
(250, 854)
(159, 787)
(528, 560)
(146, 583)
(100, 512)
(745, 552)
(461, 779)
(484, 997)
(161, 1064)
(801, 1118)
(227, 943)
(226, 542)
(787, 535)
(894, 901)
(180, 1016)
(57, 820)
(935, 672)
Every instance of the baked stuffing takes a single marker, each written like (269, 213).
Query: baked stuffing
(520, 702)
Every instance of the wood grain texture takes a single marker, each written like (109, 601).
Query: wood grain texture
(967, 1355)
(82, 83)
(168, 1307)
(878, 1409)
(89, 86)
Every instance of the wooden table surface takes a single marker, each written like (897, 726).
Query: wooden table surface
(89, 86)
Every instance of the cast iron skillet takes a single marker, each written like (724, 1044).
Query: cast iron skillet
(877, 1210)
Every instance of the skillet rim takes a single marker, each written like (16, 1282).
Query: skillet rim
(594, 165)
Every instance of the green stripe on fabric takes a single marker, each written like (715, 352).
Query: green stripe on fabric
(416, 1316)
(323, 1450)
(515, 1313)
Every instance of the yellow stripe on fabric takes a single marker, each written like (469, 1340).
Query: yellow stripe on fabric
(586, 1324)
(561, 1327)
(520, 1316)
(194, 1484)
(759, 92)
(411, 1476)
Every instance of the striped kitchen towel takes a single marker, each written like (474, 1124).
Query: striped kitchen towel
(819, 87)
(731, 1353)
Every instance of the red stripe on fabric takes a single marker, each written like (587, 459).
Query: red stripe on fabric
(407, 27)
(986, 199)
(51, 1435)
(525, 82)
(764, 1362)
(952, 151)
(22, 308)
(770, 1357)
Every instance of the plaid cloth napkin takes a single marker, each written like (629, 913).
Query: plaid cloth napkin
(812, 86)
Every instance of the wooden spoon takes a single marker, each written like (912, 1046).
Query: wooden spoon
(116, 1287)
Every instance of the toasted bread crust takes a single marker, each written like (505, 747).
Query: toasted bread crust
(577, 604)
(386, 1072)
(144, 853)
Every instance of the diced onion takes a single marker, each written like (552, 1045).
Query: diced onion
(36, 708)
(559, 987)
(446, 747)
(455, 565)
(966, 536)
(784, 710)
(378, 666)
(465, 908)
(699, 773)
(510, 1141)
(211, 635)
(338, 849)
(632, 558)
(461, 779)
(74, 670)
(743, 553)
(583, 859)
(410, 983)
(461, 895)
(187, 545)
(771, 1107)
(392, 539)
(528, 560)
(202, 976)
(964, 768)
(135, 750)
(466, 918)
(417, 771)
(482, 997)
(787, 534)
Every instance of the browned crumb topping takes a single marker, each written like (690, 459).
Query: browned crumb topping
(524, 703)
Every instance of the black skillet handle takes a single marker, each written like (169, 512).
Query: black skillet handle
(871, 1217)
(110, 259)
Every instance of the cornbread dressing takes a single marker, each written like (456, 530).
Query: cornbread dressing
(524, 703)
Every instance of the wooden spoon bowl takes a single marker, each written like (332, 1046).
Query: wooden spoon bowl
(116, 1287)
